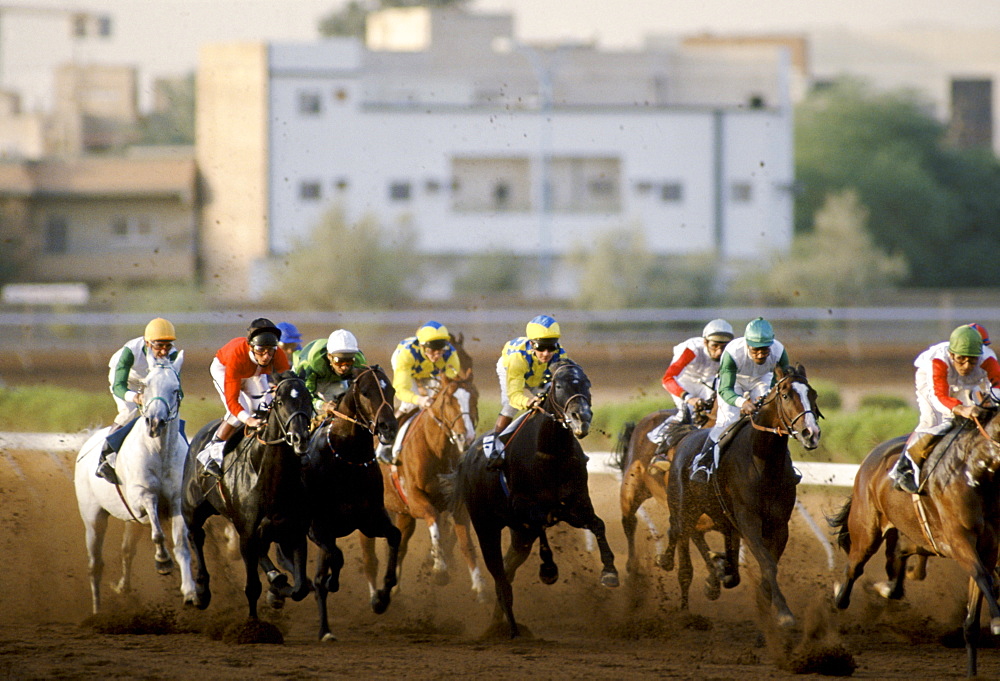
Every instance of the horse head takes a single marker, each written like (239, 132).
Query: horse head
(464, 358)
(790, 406)
(568, 397)
(161, 396)
(290, 411)
(456, 408)
(371, 397)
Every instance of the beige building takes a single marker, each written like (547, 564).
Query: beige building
(97, 219)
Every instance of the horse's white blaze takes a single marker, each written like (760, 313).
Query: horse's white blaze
(809, 420)
(294, 392)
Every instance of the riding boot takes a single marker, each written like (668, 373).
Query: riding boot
(660, 463)
(493, 448)
(212, 455)
(105, 470)
(705, 463)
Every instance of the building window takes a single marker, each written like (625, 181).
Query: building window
(491, 184)
(971, 123)
(399, 191)
(310, 190)
(672, 191)
(741, 192)
(310, 104)
(56, 234)
(119, 227)
(130, 228)
(585, 185)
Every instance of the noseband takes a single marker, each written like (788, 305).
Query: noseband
(173, 411)
(786, 427)
(283, 426)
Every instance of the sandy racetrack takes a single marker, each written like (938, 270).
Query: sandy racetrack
(578, 629)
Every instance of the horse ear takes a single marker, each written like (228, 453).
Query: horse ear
(178, 361)
(800, 370)
(779, 372)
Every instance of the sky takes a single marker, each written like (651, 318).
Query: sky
(162, 37)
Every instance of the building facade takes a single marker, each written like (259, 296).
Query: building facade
(479, 144)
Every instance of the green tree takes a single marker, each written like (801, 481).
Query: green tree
(174, 123)
(937, 206)
(350, 19)
(346, 266)
(834, 264)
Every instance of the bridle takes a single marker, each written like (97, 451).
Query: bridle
(449, 428)
(560, 412)
(173, 410)
(372, 423)
(284, 427)
(786, 427)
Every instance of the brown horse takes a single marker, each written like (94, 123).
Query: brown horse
(640, 482)
(751, 494)
(958, 517)
(431, 447)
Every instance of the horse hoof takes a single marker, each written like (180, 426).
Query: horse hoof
(883, 589)
(786, 621)
(548, 575)
(165, 567)
(609, 578)
(713, 591)
(203, 600)
(442, 578)
(380, 602)
(327, 638)
(731, 581)
(995, 626)
(302, 592)
(275, 601)
(665, 561)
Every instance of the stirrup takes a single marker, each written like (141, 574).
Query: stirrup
(659, 463)
(701, 474)
(106, 472)
(212, 469)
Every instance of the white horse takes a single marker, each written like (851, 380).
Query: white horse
(150, 466)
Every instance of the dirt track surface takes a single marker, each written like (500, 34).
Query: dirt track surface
(579, 630)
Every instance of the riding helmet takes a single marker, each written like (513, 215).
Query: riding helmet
(159, 329)
(759, 333)
(718, 330)
(263, 326)
(434, 335)
(965, 341)
(341, 342)
(542, 326)
(982, 332)
(289, 333)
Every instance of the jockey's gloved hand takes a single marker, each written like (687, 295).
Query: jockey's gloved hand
(969, 411)
(536, 402)
(748, 408)
(425, 401)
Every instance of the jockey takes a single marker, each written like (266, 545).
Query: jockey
(690, 380)
(327, 366)
(129, 367)
(418, 363)
(523, 370)
(948, 376)
(240, 372)
(746, 373)
(290, 340)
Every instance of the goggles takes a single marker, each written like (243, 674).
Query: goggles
(545, 345)
(341, 359)
(439, 344)
(161, 345)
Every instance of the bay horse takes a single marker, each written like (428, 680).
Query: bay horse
(150, 467)
(432, 445)
(640, 482)
(543, 482)
(751, 494)
(344, 487)
(260, 492)
(958, 517)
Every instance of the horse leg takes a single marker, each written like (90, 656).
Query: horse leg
(489, 544)
(130, 535)
(865, 540)
(970, 627)
(250, 550)
(468, 551)
(730, 565)
(182, 554)
(712, 584)
(196, 538)
(328, 565)
(583, 516)
(895, 568)
(767, 550)
(421, 507)
(685, 571)
(383, 527)
(297, 549)
(548, 571)
(406, 524)
(150, 505)
(369, 562)
(96, 525)
(633, 494)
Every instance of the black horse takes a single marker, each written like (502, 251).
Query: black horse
(544, 481)
(750, 497)
(344, 484)
(260, 491)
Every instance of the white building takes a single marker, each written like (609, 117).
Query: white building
(444, 124)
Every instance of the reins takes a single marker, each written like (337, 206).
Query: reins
(785, 428)
(372, 424)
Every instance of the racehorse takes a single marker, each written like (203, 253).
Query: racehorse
(633, 453)
(431, 447)
(751, 494)
(150, 466)
(343, 485)
(957, 517)
(543, 481)
(260, 491)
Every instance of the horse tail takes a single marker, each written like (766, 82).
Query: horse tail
(620, 454)
(838, 521)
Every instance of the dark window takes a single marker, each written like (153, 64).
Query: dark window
(309, 104)
(672, 191)
(56, 235)
(971, 114)
(399, 191)
(501, 195)
(310, 191)
(119, 227)
(741, 192)
(104, 26)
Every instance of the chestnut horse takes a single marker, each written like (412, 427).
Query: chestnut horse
(958, 517)
(751, 494)
(431, 447)
(640, 482)
(543, 482)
